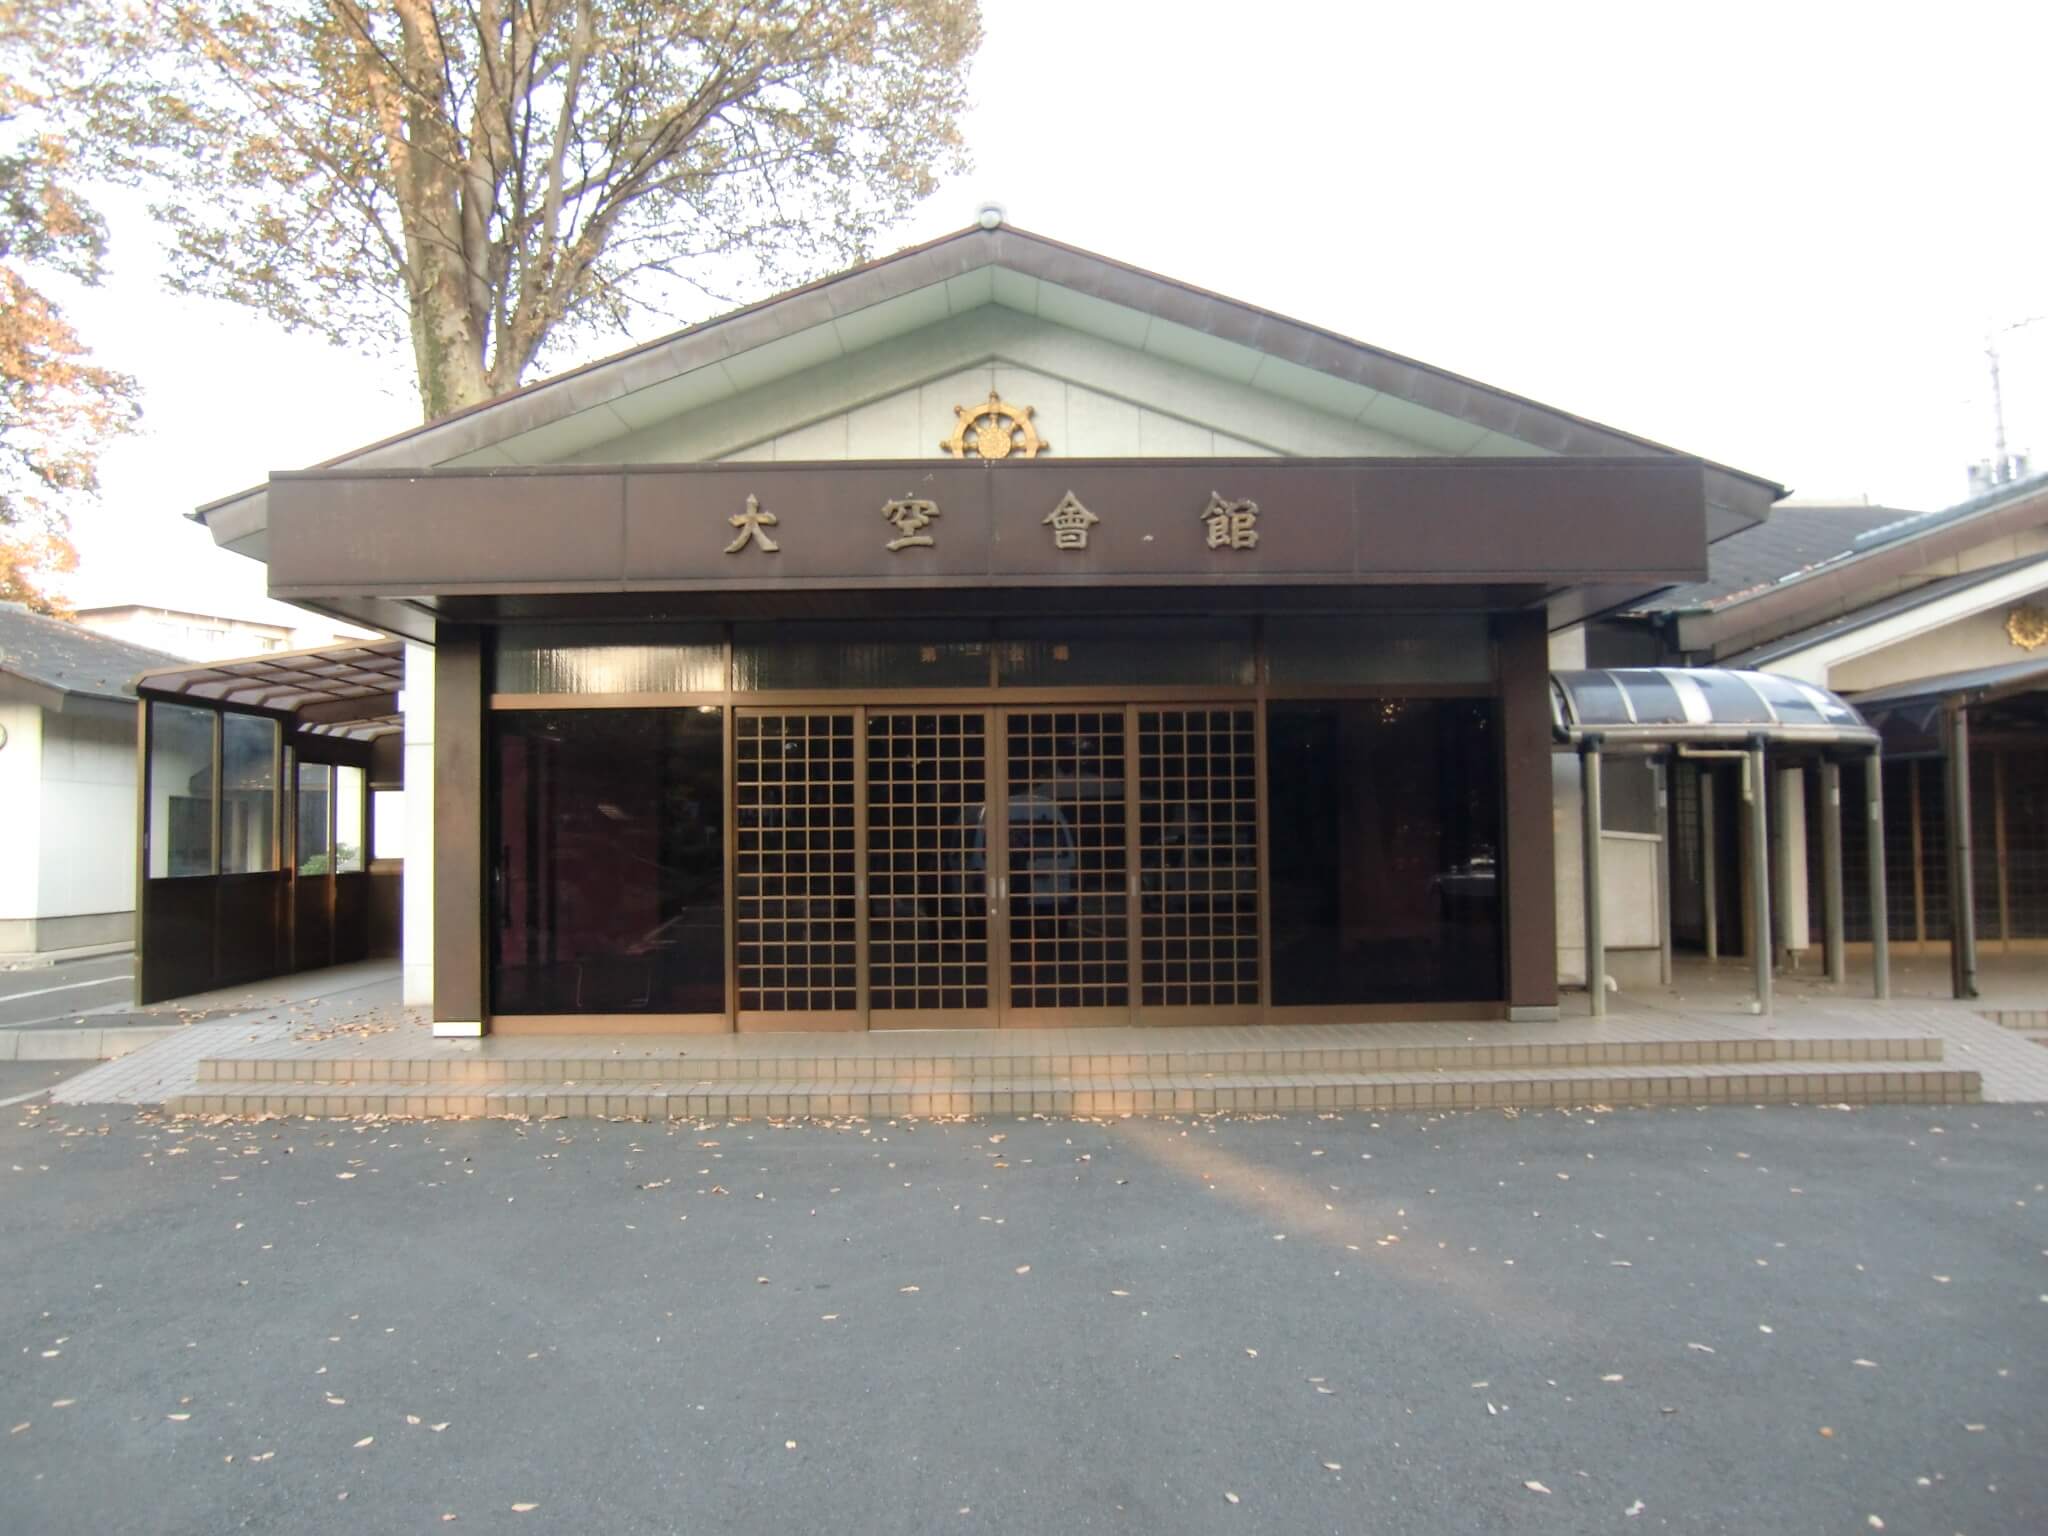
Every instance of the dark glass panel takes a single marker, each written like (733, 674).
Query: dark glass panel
(796, 658)
(248, 809)
(1069, 907)
(1364, 648)
(180, 791)
(1198, 857)
(557, 658)
(928, 876)
(314, 851)
(609, 875)
(1384, 817)
(1090, 653)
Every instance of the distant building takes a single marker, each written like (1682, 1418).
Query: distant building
(211, 636)
(67, 784)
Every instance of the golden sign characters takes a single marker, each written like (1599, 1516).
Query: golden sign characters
(1070, 522)
(1231, 524)
(994, 431)
(2027, 627)
(753, 525)
(909, 516)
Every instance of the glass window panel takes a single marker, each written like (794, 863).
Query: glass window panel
(608, 889)
(348, 820)
(1087, 653)
(1364, 648)
(314, 852)
(796, 658)
(534, 658)
(1628, 794)
(387, 824)
(180, 791)
(1384, 822)
(248, 800)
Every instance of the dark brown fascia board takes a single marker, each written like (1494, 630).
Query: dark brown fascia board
(1835, 589)
(1101, 277)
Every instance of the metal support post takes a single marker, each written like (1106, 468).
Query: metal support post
(1831, 869)
(1710, 854)
(1962, 884)
(1589, 823)
(1880, 915)
(1661, 768)
(1755, 791)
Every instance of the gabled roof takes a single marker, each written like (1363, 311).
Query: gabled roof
(1874, 559)
(1796, 540)
(56, 660)
(1017, 270)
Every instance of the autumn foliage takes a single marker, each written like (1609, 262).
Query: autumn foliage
(482, 179)
(57, 406)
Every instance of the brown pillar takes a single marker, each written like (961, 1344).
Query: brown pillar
(1529, 905)
(459, 706)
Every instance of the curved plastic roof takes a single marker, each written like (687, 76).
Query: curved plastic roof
(1701, 705)
(336, 690)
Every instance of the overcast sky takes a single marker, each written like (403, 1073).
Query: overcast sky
(1772, 235)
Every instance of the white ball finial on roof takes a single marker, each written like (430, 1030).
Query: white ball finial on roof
(991, 216)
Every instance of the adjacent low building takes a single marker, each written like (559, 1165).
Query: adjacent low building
(67, 785)
(1934, 625)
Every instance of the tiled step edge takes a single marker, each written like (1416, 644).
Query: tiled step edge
(1875, 1082)
(993, 1069)
(2017, 1018)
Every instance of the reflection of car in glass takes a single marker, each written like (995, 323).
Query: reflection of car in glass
(1198, 858)
(1041, 857)
(1476, 879)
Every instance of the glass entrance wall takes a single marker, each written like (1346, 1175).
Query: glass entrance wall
(1385, 822)
(980, 826)
(608, 889)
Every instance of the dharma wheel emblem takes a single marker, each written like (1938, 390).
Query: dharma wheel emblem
(2027, 627)
(994, 431)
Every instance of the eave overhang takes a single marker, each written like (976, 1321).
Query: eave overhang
(1733, 498)
(340, 538)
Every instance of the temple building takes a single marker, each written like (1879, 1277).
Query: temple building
(993, 635)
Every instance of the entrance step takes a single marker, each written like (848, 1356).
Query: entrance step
(1867, 1081)
(829, 1061)
(2017, 1018)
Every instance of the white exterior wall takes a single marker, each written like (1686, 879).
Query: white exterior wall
(417, 942)
(1978, 641)
(21, 810)
(87, 862)
(1631, 899)
(1090, 398)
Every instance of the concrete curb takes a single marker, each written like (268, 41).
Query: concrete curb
(79, 1044)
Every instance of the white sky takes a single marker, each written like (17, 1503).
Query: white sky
(1773, 235)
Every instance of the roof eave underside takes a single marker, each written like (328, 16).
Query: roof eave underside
(238, 521)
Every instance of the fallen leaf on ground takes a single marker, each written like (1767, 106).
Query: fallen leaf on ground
(1705, 1349)
(1634, 1509)
(1535, 1487)
(1231, 1497)
(366, 1440)
(177, 1418)
(1023, 1269)
(907, 1290)
(1610, 1378)
(521, 1509)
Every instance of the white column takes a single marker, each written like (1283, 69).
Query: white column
(419, 826)
(1788, 831)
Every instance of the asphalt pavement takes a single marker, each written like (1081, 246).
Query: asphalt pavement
(61, 993)
(1733, 1320)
